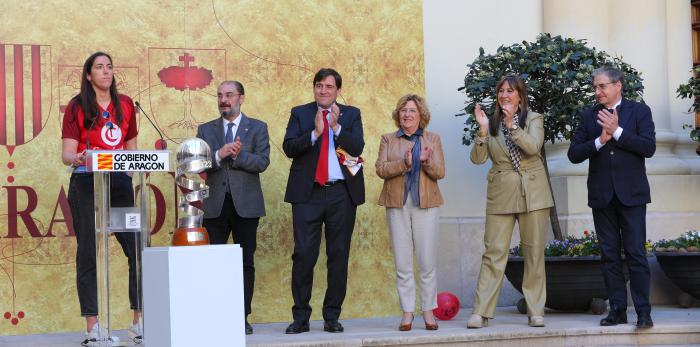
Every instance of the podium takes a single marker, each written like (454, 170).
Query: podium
(109, 219)
(194, 296)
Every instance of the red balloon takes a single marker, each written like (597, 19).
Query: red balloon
(448, 306)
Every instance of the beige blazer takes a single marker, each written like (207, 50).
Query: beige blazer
(391, 167)
(509, 191)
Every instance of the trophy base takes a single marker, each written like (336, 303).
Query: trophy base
(190, 237)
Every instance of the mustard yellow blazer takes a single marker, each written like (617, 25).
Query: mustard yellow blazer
(509, 191)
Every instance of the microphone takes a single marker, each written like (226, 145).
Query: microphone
(87, 137)
(163, 144)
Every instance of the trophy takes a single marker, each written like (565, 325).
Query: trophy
(193, 156)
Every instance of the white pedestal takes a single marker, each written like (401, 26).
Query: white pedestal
(193, 296)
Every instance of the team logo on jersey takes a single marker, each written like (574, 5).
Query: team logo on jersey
(111, 134)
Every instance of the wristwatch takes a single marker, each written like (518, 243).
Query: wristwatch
(514, 127)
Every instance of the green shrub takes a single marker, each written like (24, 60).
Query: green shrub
(557, 72)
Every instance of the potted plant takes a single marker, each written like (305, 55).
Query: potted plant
(557, 72)
(572, 267)
(680, 260)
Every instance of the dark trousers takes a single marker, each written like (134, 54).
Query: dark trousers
(620, 226)
(81, 199)
(333, 207)
(244, 232)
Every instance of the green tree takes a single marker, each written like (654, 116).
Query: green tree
(692, 90)
(557, 72)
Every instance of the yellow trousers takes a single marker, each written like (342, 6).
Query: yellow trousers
(499, 229)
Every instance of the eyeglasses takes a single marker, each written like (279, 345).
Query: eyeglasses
(601, 86)
(408, 111)
(228, 95)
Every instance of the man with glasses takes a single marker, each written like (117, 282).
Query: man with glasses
(241, 148)
(616, 136)
(323, 189)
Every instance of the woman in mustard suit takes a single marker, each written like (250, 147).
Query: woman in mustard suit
(411, 162)
(517, 190)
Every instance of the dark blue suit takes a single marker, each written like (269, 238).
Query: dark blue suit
(618, 191)
(314, 205)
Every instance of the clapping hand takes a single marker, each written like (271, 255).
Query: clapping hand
(236, 147)
(426, 153)
(318, 123)
(230, 149)
(408, 157)
(333, 119)
(481, 119)
(609, 122)
(508, 112)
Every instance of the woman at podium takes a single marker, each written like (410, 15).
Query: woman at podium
(98, 118)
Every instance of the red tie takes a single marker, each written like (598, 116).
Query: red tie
(322, 168)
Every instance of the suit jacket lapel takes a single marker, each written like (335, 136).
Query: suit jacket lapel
(341, 120)
(311, 115)
(501, 139)
(623, 114)
(243, 127)
(597, 129)
(219, 132)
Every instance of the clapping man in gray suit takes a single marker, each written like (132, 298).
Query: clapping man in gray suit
(241, 148)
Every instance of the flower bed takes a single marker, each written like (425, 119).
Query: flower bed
(680, 260)
(688, 242)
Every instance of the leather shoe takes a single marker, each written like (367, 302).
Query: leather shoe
(297, 327)
(535, 321)
(476, 321)
(406, 326)
(248, 328)
(614, 317)
(644, 321)
(333, 326)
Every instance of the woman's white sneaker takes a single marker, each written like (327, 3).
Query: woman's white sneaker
(136, 332)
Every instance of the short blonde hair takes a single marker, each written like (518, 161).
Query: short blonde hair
(420, 104)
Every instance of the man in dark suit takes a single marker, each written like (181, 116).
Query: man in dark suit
(616, 136)
(322, 191)
(235, 203)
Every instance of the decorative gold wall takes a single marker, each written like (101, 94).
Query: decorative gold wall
(272, 47)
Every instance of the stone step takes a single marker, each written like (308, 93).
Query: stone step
(673, 326)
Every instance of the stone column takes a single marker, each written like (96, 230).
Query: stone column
(678, 35)
(638, 33)
(578, 20)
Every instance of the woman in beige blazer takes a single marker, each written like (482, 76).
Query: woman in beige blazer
(517, 190)
(411, 162)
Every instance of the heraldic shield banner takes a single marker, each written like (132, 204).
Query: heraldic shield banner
(171, 57)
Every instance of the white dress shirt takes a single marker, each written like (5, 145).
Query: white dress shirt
(234, 129)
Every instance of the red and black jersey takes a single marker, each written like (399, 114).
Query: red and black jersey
(106, 133)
